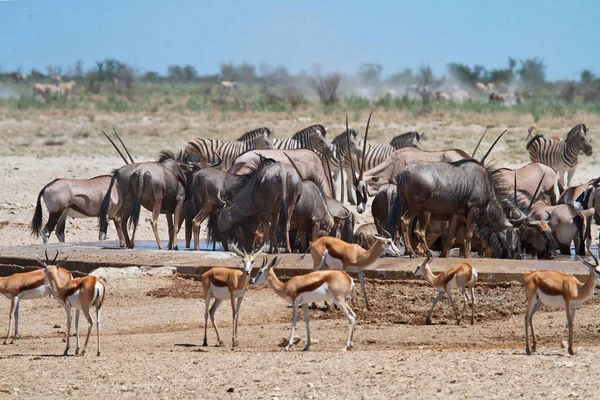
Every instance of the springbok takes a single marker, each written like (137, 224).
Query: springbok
(81, 294)
(312, 287)
(460, 275)
(337, 254)
(25, 286)
(226, 283)
(557, 290)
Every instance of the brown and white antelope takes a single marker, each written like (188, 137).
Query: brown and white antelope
(223, 284)
(557, 290)
(460, 275)
(303, 289)
(81, 294)
(26, 286)
(337, 254)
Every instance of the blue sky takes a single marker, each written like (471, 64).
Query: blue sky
(338, 35)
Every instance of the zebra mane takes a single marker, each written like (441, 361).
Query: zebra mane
(252, 134)
(313, 129)
(341, 138)
(576, 129)
(405, 140)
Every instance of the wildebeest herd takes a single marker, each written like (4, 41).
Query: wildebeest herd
(259, 189)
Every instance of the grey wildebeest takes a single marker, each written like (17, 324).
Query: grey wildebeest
(158, 186)
(308, 163)
(76, 198)
(364, 235)
(343, 220)
(461, 188)
(311, 216)
(270, 196)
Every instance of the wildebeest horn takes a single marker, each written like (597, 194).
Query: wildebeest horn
(364, 154)
(236, 250)
(350, 156)
(490, 149)
(116, 148)
(215, 165)
(478, 143)
(385, 233)
(536, 192)
(223, 203)
(125, 147)
(294, 165)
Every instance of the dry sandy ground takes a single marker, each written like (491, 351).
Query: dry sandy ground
(152, 327)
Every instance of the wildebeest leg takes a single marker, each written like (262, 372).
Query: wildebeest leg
(171, 230)
(421, 231)
(405, 222)
(272, 232)
(60, 226)
(177, 223)
(118, 227)
(196, 224)
(470, 228)
(53, 218)
(288, 247)
(154, 221)
(452, 230)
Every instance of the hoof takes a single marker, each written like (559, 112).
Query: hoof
(572, 351)
(98, 354)
(176, 248)
(528, 351)
(66, 353)
(427, 322)
(77, 352)
(5, 342)
(220, 344)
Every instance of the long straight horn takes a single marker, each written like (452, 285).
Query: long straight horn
(478, 143)
(350, 156)
(536, 192)
(294, 165)
(125, 147)
(329, 175)
(116, 148)
(364, 155)
(515, 187)
(490, 150)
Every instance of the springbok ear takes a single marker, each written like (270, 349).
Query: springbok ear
(259, 251)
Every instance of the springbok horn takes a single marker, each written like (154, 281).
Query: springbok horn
(55, 257)
(116, 148)
(478, 143)
(385, 233)
(364, 154)
(236, 250)
(259, 251)
(125, 147)
(43, 264)
(590, 265)
(536, 193)
(490, 150)
(350, 156)
(47, 258)
(293, 165)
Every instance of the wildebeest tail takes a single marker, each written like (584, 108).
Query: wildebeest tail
(191, 209)
(137, 203)
(349, 227)
(103, 217)
(392, 224)
(38, 219)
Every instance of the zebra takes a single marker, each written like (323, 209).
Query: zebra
(213, 150)
(562, 155)
(313, 138)
(408, 139)
(338, 151)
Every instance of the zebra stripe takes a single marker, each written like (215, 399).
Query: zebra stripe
(375, 154)
(211, 150)
(253, 134)
(301, 139)
(562, 155)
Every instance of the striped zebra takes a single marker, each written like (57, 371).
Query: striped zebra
(211, 150)
(408, 139)
(339, 159)
(313, 138)
(562, 155)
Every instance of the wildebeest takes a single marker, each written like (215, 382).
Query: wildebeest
(343, 227)
(308, 162)
(311, 215)
(270, 196)
(77, 198)
(461, 188)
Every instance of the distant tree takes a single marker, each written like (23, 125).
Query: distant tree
(426, 77)
(273, 76)
(244, 72)
(403, 77)
(36, 75)
(464, 74)
(370, 73)
(54, 70)
(532, 72)
(175, 73)
(587, 77)
(151, 76)
(326, 87)
(189, 73)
